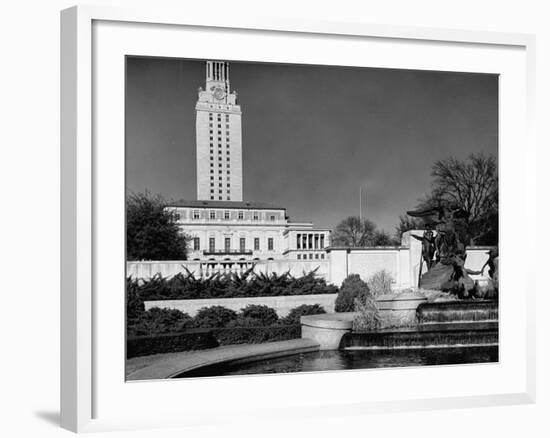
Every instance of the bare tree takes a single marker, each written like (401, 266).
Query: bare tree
(407, 223)
(472, 186)
(354, 232)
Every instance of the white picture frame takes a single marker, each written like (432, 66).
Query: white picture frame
(83, 369)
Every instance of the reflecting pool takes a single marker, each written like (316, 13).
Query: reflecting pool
(353, 359)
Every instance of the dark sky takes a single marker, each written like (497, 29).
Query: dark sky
(313, 134)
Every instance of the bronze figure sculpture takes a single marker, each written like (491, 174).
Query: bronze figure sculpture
(447, 271)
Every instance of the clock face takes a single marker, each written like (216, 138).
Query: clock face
(219, 93)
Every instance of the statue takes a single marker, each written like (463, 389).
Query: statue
(447, 271)
(428, 246)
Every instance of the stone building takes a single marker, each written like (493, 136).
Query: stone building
(224, 229)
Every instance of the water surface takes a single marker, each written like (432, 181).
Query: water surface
(354, 359)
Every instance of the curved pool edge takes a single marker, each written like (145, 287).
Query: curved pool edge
(166, 366)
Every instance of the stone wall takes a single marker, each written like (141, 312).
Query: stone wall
(403, 262)
(297, 268)
(282, 305)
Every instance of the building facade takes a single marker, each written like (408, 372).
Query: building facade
(224, 229)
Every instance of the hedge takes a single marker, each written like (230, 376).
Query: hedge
(257, 335)
(191, 339)
(200, 339)
(295, 313)
(185, 286)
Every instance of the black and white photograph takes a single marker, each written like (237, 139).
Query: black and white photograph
(287, 218)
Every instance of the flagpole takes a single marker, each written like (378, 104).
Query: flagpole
(360, 204)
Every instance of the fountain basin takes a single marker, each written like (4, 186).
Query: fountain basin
(399, 309)
(327, 329)
(431, 336)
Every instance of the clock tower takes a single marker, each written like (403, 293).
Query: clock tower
(219, 141)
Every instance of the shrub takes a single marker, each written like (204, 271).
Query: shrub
(134, 304)
(256, 335)
(293, 316)
(264, 315)
(194, 339)
(352, 287)
(158, 321)
(368, 316)
(214, 316)
(380, 283)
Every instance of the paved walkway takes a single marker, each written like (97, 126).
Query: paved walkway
(163, 366)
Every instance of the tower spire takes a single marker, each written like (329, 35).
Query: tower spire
(217, 75)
